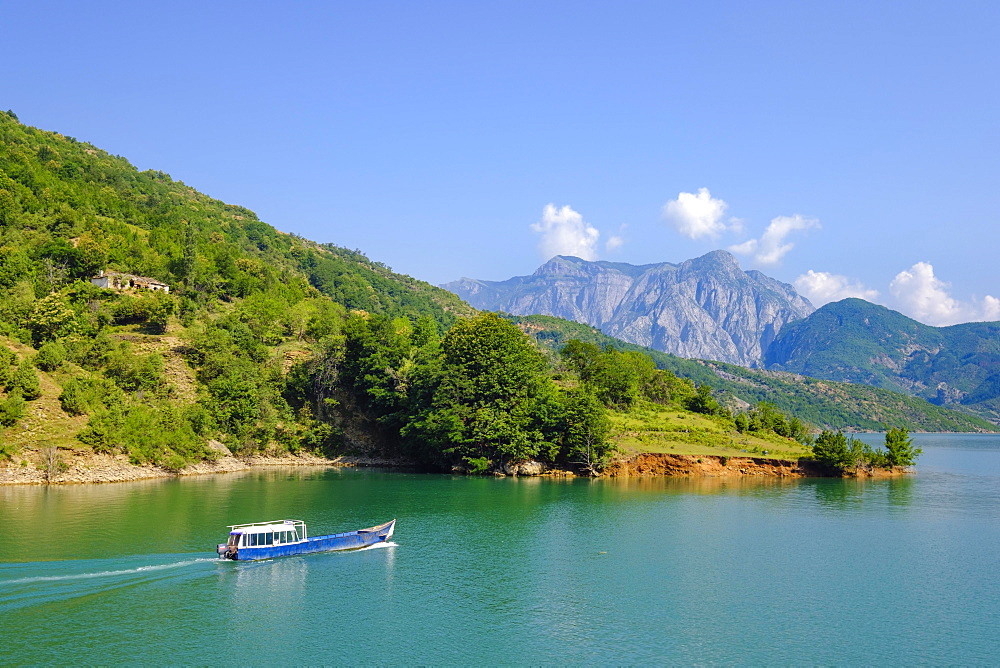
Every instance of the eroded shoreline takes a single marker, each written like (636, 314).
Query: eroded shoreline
(93, 468)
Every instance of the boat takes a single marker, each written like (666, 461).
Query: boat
(281, 538)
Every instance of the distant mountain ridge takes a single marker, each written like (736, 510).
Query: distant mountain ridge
(855, 341)
(707, 307)
(824, 404)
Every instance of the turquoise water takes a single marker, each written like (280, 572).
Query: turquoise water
(521, 571)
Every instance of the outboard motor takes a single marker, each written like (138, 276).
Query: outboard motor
(227, 551)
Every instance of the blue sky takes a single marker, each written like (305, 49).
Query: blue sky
(850, 148)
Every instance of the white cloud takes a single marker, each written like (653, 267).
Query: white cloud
(745, 248)
(923, 296)
(991, 308)
(822, 287)
(771, 246)
(697, 216)
(564, 232)
(616, 241)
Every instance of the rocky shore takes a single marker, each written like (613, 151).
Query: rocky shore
(74, 467)
(87, 467)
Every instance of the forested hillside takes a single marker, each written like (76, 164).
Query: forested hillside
(157, 374)
(266, 341)
(859, 342)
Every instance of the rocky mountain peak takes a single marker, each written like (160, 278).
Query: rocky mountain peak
(562, 265)
(706, 307)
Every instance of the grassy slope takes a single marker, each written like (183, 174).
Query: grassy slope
(653, 428)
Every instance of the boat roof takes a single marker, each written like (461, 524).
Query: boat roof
(267, 527)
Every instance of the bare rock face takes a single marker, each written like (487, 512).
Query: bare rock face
(529, 467)
(706, 308)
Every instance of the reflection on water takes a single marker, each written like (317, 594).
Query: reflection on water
(269, 592)
(900, 491)
(854, 493)
(753, 485)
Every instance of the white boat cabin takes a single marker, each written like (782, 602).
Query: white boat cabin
(266, 534)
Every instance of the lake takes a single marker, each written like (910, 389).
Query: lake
(526, 571)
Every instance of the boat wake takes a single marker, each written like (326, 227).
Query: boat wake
(102, 574)
(377, 546)
(39, 583)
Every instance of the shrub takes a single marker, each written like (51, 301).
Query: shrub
(25, 379)
(7, 360)
(11, 409)
(50, 356)
(85, 395)
(159, 434)
(478, 465)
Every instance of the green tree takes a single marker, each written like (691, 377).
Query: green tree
(838, 452)
(579, 356)
(617, 378)
(25, 380)
(899, 448)
(52, 317)
(741, 422)
(831, 449)
(15, 265)
(703, 401)
(585, 439)
(489, 392)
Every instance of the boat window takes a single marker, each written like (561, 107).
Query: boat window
(253, 540)
(269, 539)
(234, 539)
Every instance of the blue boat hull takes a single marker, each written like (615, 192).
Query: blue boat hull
(352, 540)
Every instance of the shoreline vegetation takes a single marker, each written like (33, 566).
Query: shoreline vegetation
(84, 467)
